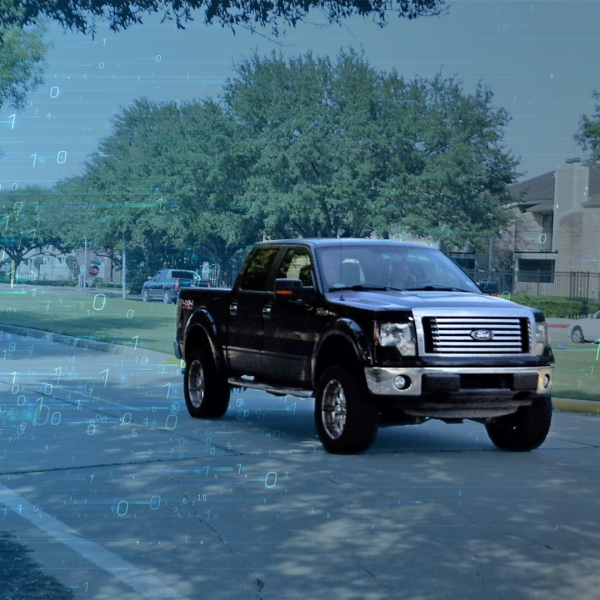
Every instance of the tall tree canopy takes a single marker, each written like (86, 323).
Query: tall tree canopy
(22, 54)
(170, 181)
(31, 220)
(588, 135)
(298, 148)
(341, 149)
(82, 15)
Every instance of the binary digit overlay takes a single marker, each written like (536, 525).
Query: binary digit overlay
(242, 247)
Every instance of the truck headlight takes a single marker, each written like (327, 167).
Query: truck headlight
(541, 337)
(401, 335)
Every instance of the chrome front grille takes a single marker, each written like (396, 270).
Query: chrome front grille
(452, 335)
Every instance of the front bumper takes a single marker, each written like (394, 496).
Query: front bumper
(462, 381)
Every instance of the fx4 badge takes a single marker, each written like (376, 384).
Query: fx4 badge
(189, 304)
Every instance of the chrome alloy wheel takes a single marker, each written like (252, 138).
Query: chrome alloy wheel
(577, 335)
(196, 383)
(333, 410)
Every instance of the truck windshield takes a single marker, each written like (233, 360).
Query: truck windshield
(392, 266)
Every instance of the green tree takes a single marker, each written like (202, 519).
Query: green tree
(28, 226)
(170, 181)
(588, 135)
(339, 149)
(82, 15)
(22, 53)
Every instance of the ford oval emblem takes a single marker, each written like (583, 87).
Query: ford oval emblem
(482, 335)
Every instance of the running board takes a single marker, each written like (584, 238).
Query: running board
(272, 389)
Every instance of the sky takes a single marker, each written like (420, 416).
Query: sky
(539, 58)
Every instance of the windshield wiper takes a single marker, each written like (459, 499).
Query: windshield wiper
(437, 288)
(361, 287)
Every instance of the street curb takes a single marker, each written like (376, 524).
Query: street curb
(573, 405)
(65, 339)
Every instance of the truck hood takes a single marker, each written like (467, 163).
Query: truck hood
(394, 301)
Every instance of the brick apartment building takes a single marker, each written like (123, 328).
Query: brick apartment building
(554, 241)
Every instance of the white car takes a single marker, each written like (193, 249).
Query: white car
(585, 330)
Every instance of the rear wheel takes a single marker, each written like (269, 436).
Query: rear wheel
(345, 422)
(206, 390)
(145, 296)
(524, 430)
(577, 335)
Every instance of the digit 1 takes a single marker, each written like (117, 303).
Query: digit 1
(240, 468)
(106, 377)
(34, 156)
(86, 585)
(168, 386)
(135, 337)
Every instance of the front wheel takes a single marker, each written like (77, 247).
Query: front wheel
(206, 390)
(145, 296)
(577, 335)
(166, 298)
(345, 422)
(524, 430)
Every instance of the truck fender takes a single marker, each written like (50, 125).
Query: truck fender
(204, 320)
(351, 332)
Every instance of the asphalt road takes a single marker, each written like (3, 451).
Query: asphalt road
(114, 491)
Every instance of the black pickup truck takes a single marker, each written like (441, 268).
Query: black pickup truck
(379, 332)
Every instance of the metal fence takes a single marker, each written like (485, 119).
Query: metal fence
(544, 283)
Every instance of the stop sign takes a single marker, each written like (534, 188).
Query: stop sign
(94, 270)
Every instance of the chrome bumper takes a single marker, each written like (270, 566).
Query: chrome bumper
(447, 379)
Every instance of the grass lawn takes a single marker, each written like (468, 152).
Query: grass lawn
(577, 372)
(92, 317)
(121, 321)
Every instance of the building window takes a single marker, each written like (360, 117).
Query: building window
(466, 262)
(536, 270)
(546, 241)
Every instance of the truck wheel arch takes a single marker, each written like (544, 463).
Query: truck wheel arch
(201, 330)
(342, 346)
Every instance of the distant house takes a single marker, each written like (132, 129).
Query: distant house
(53, 266)
(558, 223)
(553, 246)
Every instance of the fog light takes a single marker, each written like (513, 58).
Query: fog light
(546, 380)
(401, 382)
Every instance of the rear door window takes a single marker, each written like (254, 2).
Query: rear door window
(255, 276)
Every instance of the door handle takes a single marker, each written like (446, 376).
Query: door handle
(233, 308)
(266, 311)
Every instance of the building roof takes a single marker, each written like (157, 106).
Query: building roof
(539, 189)
(594, 190)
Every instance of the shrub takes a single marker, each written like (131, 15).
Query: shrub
(557, 307)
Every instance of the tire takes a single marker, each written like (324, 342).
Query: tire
(577, 335)
(344, 421)
(145, 296)
(166, 298)
(206, 390)
(524, 430)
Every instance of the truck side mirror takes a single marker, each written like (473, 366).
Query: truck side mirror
(488, 287)
(288, 289)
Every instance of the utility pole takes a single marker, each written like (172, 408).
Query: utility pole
(84, 263)
(124, 272)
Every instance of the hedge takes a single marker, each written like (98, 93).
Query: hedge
(557, 307)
